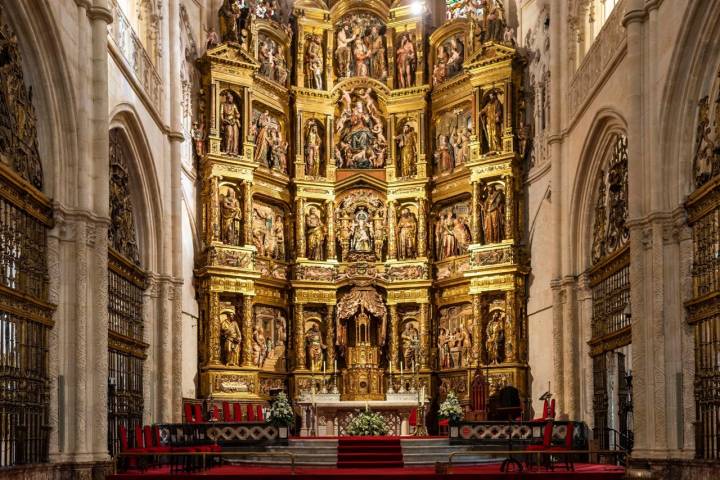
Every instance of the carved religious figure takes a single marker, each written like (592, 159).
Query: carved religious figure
(342, 53)
(495, 343)
(313, 145)
(410, 338)
(361, 142)
(231, 337)
(443, 155)
(314, 62)
(452, 231)
(315, 347)
(268, 231)
(361, 236)
(231, 125)
(360, 50)
(407, 147)
(198, 136)
(230, 14)
(230, 218)
(259, 346)
(491, 118)
(315, 231)
(493, 212)
(407, 235)
(270, 145)
(378, 63)
(449, 58)
(406, 62)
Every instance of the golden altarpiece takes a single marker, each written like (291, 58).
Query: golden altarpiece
(360, 194)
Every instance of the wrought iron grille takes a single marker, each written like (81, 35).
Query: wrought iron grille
(600, 402)
(610, 284)
(704, 314)
(25, 320)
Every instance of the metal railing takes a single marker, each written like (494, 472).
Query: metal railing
(509, 456)
(204, 456)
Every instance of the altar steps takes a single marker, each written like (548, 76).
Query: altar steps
(369, 452)
(428, 451)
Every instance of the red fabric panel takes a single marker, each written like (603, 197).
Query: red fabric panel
(215, 414)
(569, 435)
(547, 434)
(260, 417)
(227, 416)
(147, 434)
(552, 408)
(412, 420)
(188, 413)
(250, 412)
(198, 413)
(138, 437)
(123, 438)
(443, 422)
(156, 436)
(237, 411)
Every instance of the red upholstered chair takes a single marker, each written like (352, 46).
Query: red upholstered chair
(199, 413)
(412, 419)
(260, 415)
(227, 415)
(237, 412)
(188, 413)
(443, 426)
(250, 409)
(132, 461)
(551, 413)
(215, 414)
(545, 413)
(547, 443)
(566, 446)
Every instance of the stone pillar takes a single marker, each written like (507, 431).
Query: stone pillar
(509, 207)
(330, 222)
(300, 336)
(422, 229)
(394, 340)
(475, 219)
(247, 211)
(392, 230)
(424, 335)
(213, 319)
(477, 329)
(247, 330)
(300, 218)
(330, 338)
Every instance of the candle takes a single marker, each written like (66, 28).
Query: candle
(401, 368)
(335, 366)
(391, 369)
(366, 406)
(323, 369)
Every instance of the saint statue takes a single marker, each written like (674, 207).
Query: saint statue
(198, 136)
(232, 337)
(230, 14)
(407, 144)
(495, 343)
(231, 125)
(378, 63)
(491, 116)
(263, 138)
(493, 210)
(281, 331)
(407, 235)
(315, 347)
(278, 233)
(315, 231)
(446, 241)
(342, 53)
(406, 62)
(444, 349)
(410, 341)
(259, 347)
(313, 144)
(361, 237)
(443, 156)
(314, 63)
(230, 218)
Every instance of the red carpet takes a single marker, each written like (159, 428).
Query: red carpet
(369, 452)
(481, 472)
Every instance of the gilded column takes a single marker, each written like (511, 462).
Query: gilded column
(300, 217)
(300, 336)
(247, 115)
(422, 229)
(424, 335)
(509, 207)
(247, 211)
(511, 344)
(475, 220)
(300, 65)
(247, 330)
(394, 350)
(213, 319)
(477, 350)
(392, 227)
(330, 215)
(330, 337)
(329, 59)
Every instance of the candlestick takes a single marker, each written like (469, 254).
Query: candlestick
(323, 369)
(335, 366)
(401, 369)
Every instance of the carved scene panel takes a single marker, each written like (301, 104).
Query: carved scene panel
(360, 47)
(269, 339)
(360, 141)
(269, 130)
(452, 131)
(268, 230)
(455, 340)
(452, 230)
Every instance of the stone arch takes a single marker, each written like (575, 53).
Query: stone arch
(605, 125)
(144, 187)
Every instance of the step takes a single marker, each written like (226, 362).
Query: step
(368, 449)
(369, 464)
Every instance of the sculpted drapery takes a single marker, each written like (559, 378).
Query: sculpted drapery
(367, 300)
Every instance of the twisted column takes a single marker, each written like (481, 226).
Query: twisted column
(300, 218)
(511, 344)
(424, 335)
(392, 227)
(247, 211)
(213, 318)
(477, 346)
(330, 222)
(212, 227)
(475, 219)
(509, 206)
(330, 337)
(422, 229)
(393, 353)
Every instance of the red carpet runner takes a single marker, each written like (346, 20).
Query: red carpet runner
(369, 452)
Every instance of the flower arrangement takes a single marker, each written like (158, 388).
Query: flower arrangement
(451, 409)
(368, 423)
(281, 413)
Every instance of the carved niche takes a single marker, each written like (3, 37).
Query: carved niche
(453, 129)
(405, 60)
(230, 123)
(314, 62)
(272, 58)
(452, 230)
(268, 230)
(231, 215)
(407, 231)
(360, 47)
(492, 211)
(359, 130)
(610, 232)
(707, 141)
(406, 143)
(315, 341)
(360, 222)
(18, 122)
(314, 148)
(121, 234)
(495, 333)
(492, 115)
(230, 336)
(455, 339)
(315, 231)
(268, 131)
(269, 340)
